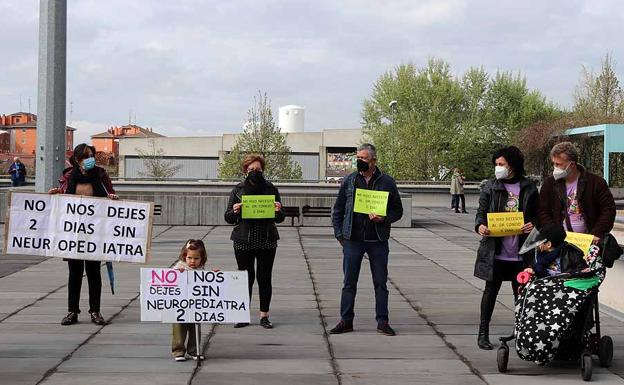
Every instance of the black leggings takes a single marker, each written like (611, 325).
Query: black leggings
(246, 261)
(503, 271)
(76, 270)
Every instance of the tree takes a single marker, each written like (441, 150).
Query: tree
(599, 99)
(261, 136)
(156, 167)
(442, 121)
(414, 141)
(599, 96)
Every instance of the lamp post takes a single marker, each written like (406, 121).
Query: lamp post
(393, 107)
(51, 131)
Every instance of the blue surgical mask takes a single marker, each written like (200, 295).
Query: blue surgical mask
(88, 163)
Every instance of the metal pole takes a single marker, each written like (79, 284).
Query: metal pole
(393, 107)
(198, 342)
(393, 141)
(51, 125)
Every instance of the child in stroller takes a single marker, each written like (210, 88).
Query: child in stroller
(557, 307)
(553, 255)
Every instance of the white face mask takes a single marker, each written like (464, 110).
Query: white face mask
(501, 172)
(560, 173)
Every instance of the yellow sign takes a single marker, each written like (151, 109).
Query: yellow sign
(505, 224)
(371, 202)
(580, 240)
(258, 206)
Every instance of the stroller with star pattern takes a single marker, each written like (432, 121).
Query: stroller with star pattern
(557, 317)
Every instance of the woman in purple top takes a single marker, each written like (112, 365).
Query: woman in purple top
(498, 258)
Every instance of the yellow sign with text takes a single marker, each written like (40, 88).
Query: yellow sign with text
(371, 202)
(505, 224)
(258, 206)
(580, 240)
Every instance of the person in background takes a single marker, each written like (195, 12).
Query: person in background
(457, 191)
(18, 173)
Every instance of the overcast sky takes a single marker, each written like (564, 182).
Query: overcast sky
(192, 67)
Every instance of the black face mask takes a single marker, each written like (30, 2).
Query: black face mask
(362, 166)
(255, 177)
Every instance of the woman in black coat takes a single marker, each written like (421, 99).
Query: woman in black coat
(498, 258)
(255, 239)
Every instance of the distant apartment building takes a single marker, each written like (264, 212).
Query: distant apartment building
(108, 141)
(18, 137)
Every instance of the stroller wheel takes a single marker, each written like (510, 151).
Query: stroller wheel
(586, 366)
(502, 358)
(605, 351)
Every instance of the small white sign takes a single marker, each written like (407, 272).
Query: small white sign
(194, 296)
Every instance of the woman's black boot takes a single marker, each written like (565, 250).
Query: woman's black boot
(484, 338)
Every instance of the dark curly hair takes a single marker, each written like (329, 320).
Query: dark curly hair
(80, 153)
(513, 156)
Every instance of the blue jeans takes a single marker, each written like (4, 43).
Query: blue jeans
(353, 253)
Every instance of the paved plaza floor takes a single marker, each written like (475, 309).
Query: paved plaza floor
(434, 302)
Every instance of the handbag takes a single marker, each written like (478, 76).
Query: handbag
(611, 250)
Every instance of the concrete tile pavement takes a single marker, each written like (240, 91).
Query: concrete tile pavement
(433, 306)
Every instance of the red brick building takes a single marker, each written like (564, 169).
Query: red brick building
(108, 141)
(18, 137)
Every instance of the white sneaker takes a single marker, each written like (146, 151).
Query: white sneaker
(200, 357)
(180, 358)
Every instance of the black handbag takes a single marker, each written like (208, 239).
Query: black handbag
(611, 250)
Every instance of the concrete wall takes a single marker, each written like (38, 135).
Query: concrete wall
(183, 204)
(309, 165)
(204, 146)
(309, 148)
(190, 168)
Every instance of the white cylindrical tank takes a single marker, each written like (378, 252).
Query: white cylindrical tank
(291, 118)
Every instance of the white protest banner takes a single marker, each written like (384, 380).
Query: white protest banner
(78, 227)
(194, 296)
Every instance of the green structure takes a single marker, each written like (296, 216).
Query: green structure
(613, 140)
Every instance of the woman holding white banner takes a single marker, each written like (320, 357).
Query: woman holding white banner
(498, 258)
(255, 234)
(84, 178)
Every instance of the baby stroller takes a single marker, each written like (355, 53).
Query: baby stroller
(558, 317)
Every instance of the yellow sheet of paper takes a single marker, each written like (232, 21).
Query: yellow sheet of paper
(505, 224)
(258, 206)
(371, 201)
(580, 240)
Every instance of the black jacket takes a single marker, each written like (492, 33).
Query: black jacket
(492, 200)
(570, 257)
(342, 212)
(240, 233)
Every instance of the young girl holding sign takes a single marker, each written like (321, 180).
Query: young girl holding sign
(193, 256)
